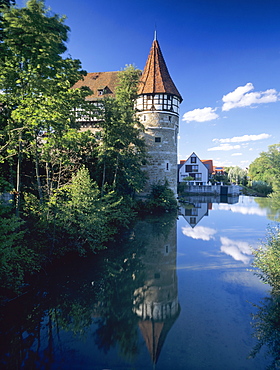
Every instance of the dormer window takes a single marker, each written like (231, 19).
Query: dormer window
(100, 92)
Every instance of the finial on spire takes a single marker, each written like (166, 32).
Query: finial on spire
(155, 36)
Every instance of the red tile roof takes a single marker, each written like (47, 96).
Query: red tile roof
(156, 78)
(97, 82)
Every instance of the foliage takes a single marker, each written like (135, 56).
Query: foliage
(36, 83)
(267, 257)
(266, 325)
(267, 168)
(218, 177)
(261, 187)
(161, 199)
(16, 257)
(122, 149)
(79, 213)
(237, 175)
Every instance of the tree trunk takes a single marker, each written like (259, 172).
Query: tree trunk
(37, 171)
(103, 179)
(18, 183)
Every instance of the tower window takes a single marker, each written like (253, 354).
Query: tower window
(167, 166)
(169, 118)
(157, 139)
(144, 118)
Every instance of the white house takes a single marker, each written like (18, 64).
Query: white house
(195, 168)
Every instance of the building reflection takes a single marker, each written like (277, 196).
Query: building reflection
(194, 208)
(156, 302)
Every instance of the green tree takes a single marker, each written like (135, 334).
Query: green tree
(122, 149)
(238, 175)
(261, 169)
(36, 83)
(267, 257)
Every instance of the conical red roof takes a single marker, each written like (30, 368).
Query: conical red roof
(156, 78)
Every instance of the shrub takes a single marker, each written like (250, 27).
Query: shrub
(261, 187)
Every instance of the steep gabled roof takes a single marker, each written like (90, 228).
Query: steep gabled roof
(156, 78)
(105, 82)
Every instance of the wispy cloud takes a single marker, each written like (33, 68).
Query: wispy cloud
(236, 154)
(244, 138)
(240, 251)
(199, 232)
(224, 147)
(241, 97)
(201, 115)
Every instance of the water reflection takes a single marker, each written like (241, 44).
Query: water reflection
(120, 309)
(98, 305)
(266, 324)
(158, 306)
(194, 208)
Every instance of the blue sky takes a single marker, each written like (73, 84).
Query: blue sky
(223, 55)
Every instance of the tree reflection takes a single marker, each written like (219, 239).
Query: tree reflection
(102, 296)
(266, 324)
(272, 207)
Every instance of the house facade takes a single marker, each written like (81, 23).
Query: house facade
(193, 168)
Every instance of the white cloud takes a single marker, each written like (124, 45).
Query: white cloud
(240, 251)
(244, 210)
(224, 147)
(201, 115)
(236, 154)
(240, 139)
(199, 232)
(241, 97)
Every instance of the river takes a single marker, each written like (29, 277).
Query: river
(173, 293)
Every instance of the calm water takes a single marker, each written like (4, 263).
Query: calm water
(172, 294)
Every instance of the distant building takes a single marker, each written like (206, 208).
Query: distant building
(218, 170)
(194, 168)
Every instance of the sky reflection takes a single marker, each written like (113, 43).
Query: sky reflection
(238, 250)
(199, 232)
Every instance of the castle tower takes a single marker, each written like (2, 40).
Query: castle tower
(158, 110)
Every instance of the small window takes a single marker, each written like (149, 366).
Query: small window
(168, 97)
(157, 139)
(100, 92)
(166, 249)
(167, 166)
(169, 118)
(144, 118)
(193, 159)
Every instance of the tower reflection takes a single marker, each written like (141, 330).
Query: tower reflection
(156, 302)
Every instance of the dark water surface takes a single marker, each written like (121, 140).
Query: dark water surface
(172, 294)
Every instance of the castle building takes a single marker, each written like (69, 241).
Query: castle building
(158, 110)
(157, 107)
